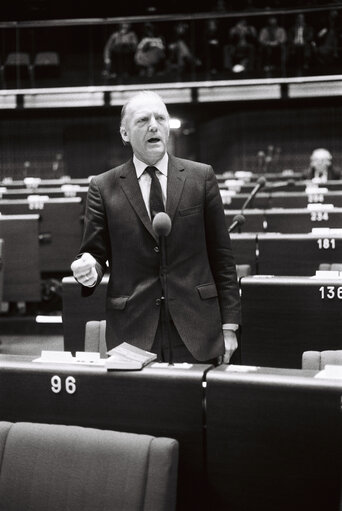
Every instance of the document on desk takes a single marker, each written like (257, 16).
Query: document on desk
(125, 356)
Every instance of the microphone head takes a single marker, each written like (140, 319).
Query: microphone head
(261, 181)
(161, 224)
(240, 219)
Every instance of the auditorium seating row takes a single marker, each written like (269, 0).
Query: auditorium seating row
(294, 200)
(60, 225)
(249, 437)
(281, 316)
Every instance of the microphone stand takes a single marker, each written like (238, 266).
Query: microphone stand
(165, 303)
(162, 226)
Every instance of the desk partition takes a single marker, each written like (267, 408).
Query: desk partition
(155, 401)
(273, 440)
(284, 316)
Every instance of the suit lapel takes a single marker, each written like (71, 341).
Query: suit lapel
(131, 188)
(175, 182)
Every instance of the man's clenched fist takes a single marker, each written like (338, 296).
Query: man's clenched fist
(84, 270)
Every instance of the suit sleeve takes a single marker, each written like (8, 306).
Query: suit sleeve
(220, 252)
(95, 236)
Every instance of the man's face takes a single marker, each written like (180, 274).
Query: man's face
(146, 127)
(320, 160)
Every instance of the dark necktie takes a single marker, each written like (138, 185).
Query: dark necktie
(156, 196)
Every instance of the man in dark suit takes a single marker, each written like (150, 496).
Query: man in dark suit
(203, 296)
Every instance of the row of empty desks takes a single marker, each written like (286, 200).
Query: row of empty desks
(287, 185)
(250, 438)
(287, 220)
(282, 200)
(46, 193)
(32, 183)
(281, 317)
(287, 254)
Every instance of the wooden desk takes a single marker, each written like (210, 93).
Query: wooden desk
(273, 440)
(301, 220)
(160, 402)
(53, 193)
(284, 316)
(60, 226)
(21, 258)
(287, 200)
(296, 254)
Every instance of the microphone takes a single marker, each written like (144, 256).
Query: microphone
(260, 184)
(237, 221)
(161, 224)
(279, 186)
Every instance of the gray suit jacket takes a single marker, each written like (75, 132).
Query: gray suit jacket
(202, 285)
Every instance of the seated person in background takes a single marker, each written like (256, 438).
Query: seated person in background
(300, 39)
(328, 40)
(118, 54)
(272, 39)
(150, 53)
(321, 167)
(180, 56)
(240, 53)
(213, 48)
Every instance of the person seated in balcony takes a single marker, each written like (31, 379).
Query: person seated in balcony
(180, 56)
(272, 39)
(300, 45)
(212, 52)
(328, 42)
(240, 52)
(150, 54)
(118, 53)
(321, 167)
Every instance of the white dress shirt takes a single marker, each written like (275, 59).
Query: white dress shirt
(144, 179)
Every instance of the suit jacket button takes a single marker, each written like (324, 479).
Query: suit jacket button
(156, 249)
(158, 301)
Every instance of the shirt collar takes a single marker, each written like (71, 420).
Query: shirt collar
(161, 165)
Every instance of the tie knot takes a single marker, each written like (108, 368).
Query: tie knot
(151, 171)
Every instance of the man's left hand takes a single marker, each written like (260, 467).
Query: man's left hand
(230, 343)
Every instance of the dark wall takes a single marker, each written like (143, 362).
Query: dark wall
(227, 136)
(231, 141)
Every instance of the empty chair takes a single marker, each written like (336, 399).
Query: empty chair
(46, 65)
(243, 270)
(317, 360)
(95, 337)
(48, 467)
(18, 66)
(330, 267)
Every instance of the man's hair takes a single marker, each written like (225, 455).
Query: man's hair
(142, 94)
